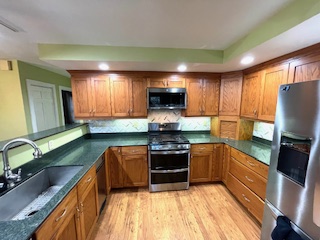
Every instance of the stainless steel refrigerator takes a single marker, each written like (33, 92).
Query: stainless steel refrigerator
(293, 188)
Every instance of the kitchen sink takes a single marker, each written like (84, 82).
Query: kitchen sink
(31, 195)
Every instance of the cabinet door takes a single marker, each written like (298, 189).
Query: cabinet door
(116, 167)
(225, 164)
(70, 228)
(63, 222)
(135, 170)
(157, 82)
(89, 208)
(201, 167)
(211, 91)
(217, 161)
(305, 69)
(81, 89)
(176, 82)
(194, 93)
(230, 95)
(108, 171)
(271, 80)
(138, 107)
(101, 96)
(251, 95)
(120, 96)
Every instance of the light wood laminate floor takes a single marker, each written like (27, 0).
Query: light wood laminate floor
(203, 212)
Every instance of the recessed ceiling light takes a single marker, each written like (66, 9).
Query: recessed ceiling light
(182, 68)
(104, 66)
(247, 60)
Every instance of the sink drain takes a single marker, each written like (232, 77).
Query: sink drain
(31, 213)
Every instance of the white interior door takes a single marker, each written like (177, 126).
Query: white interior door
(43, 105)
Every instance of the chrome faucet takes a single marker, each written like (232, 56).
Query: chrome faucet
(10, 177)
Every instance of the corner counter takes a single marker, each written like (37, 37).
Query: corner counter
(86, 151)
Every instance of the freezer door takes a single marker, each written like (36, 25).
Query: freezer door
(270, 222)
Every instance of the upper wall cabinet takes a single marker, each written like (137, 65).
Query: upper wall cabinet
(271, 80)
(203, 97)
(230, 94)
(91, 96)
(305, 69)
(163, 82)
(103, 96)
(128, 96)
(260, 92)
(251, 95)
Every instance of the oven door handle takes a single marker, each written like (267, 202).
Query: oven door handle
(170, 171)
(169, 152)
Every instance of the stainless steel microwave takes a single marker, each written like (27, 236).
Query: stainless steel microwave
(166, 98)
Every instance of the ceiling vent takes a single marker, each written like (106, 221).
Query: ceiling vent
(4, 22)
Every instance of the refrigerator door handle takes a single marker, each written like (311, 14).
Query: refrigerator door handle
(274, 212)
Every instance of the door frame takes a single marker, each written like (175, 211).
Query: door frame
(63, 88)
(31, 83)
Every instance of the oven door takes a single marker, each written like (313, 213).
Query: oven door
(168, 170)
(169, 160)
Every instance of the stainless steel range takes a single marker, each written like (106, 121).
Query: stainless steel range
(168, 157)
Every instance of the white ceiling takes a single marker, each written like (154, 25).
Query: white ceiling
(188, 24)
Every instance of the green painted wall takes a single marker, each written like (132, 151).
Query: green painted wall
(12, 113)
(23, 154)
(28, 71)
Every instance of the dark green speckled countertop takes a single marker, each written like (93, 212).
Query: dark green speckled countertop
(85, 151)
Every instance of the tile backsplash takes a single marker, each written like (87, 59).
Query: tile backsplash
(263, 130)
(141, 125)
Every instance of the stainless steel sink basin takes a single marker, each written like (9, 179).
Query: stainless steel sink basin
(31, 195)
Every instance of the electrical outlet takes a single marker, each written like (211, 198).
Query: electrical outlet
(51, 145)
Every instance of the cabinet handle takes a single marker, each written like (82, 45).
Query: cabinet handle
(251, 163)
(249, 179)
(118, 150)
(89, 179)
(61, 216)
(245, 198)
(78, 212)
(255, 112)
(201, 148)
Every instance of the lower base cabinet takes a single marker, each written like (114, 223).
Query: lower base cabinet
(206, 162)
(75, 217)
(129, 166)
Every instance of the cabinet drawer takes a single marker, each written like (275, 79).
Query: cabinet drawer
(61, 214)
(248, 199)
(201, 147)
(248, 177)
(86, 180)
(134, 150)
(250, 162)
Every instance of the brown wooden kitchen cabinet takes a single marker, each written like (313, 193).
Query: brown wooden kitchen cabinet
(166, 82)
(135, 166)
(271, 80)
(217, 160)
(201, 163)
(206, 162)
(232, 127)
(251, 95)
(108, 171)
(247, 180)
(77, 214)
(91, 96)
(226, 160)
(116, 167)
(129, 166)
(88, 202)
(230, 94)
(128, 96)
(63, 222)
(203, 97)
(306, 68)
